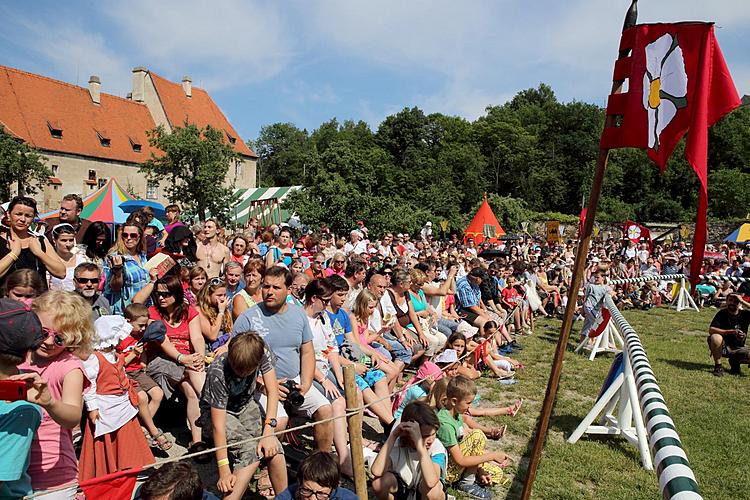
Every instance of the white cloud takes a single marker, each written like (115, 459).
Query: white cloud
(223, 43)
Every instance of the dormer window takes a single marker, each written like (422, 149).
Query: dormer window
(55, 129)
(231, 138)
(135, 144)
(103, 139)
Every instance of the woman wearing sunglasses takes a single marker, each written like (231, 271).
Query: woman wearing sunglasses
(124, 274)
(66, 323)
(20, 248)
(64, 238)
(179, 360)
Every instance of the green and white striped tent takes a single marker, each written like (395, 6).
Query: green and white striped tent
(265, 203)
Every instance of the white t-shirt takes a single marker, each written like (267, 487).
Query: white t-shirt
(405, 462)
(324, 342)
(358, 248)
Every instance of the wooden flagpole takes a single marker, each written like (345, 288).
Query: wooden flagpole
(580, 263)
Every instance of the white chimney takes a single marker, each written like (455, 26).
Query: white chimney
(187, 86)
(95, 89)
(139, 83)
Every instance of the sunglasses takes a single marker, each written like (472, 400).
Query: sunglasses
(163, 294)
(321, 262)
(130, 236)
(325, 301)
(339, 261)
(56, 336)
(83, 281)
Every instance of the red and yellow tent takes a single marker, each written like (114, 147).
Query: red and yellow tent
(103, 204)
(484, 226)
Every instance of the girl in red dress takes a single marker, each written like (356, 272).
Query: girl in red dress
(113, 440)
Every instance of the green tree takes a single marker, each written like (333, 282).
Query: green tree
(728, 193)
(193, 164)
(285, 153)
(20, 164)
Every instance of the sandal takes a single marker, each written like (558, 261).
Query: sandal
(516, 407)
(161, 441)
(497, 433)
(263, 486)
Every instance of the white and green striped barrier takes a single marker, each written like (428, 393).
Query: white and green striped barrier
(676, 478)
(648, 277)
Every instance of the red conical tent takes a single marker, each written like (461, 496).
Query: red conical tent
(484, 225)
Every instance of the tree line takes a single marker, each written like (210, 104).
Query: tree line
(534, 154)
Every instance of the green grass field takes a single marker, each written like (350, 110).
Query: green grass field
(712, 415)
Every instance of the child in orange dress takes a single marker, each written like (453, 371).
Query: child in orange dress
(113, 440)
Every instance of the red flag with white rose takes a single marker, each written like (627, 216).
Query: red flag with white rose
(677, 82)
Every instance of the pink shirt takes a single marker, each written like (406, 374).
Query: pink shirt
(330, 271)
(53, 459)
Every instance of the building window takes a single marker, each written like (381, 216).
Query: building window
(92, 175)
(55, 129)
(135, 144)
(101, 183)
(103, 139)
(55, 170)
(152, 190)
(238, 169)
(230, 137)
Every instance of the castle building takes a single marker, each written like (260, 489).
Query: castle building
(88, 136)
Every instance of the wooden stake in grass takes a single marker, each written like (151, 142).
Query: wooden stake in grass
(354, 422)
(580, 262)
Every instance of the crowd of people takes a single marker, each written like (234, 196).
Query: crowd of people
(248, 330)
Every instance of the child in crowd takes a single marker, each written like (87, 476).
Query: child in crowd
(488, 355)
(112, 439)
(230, 413)
(317, 477)
(66, 324)
(469, 466)
(20, 332)
(364, 307)
(213, 311)
(412, 462)
(418, 387)
(175, 481)
(457, 342)
(150, 394)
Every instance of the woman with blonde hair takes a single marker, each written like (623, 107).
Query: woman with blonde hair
(57, 363)
(254, 272)
(213, 311)
(124, 271)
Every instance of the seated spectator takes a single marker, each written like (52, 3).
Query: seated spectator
(337, 265)
(468, 466)
(174, 481)
(233, 277)
(253, 272)
(469, 298)
(412, 461)
(86, 278)
(20, 332)
(727, 335)
(317, 477)
(230, 413)
(213, 311)
(297, 289)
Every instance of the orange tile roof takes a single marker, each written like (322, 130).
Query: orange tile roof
(33, 104)
(199, 109)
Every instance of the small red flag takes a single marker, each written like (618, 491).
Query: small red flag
(677, 81)
(115, 486)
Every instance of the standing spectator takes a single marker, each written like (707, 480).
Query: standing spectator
(20, 332)
(71, 207)
(86, 277)
(239, 250)
(22, 249)
(426, 232)
(64, 239)
(356, 244)
(211, 254)
(287, 332)
(233, 278)
(97, 240)
(173, 217)
(124, 274)
(66, 322)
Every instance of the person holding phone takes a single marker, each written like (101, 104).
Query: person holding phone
(124, 271)
(20, 332)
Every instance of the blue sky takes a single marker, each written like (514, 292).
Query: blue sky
(308, 61)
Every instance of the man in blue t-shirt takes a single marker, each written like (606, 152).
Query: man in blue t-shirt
(20, 331)
(286, 330)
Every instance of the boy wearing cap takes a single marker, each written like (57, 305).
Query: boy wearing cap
(20, 332)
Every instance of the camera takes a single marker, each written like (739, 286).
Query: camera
(294, 399)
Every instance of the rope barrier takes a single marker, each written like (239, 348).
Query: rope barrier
(714, 278)
(347, 414)
(676, 478)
